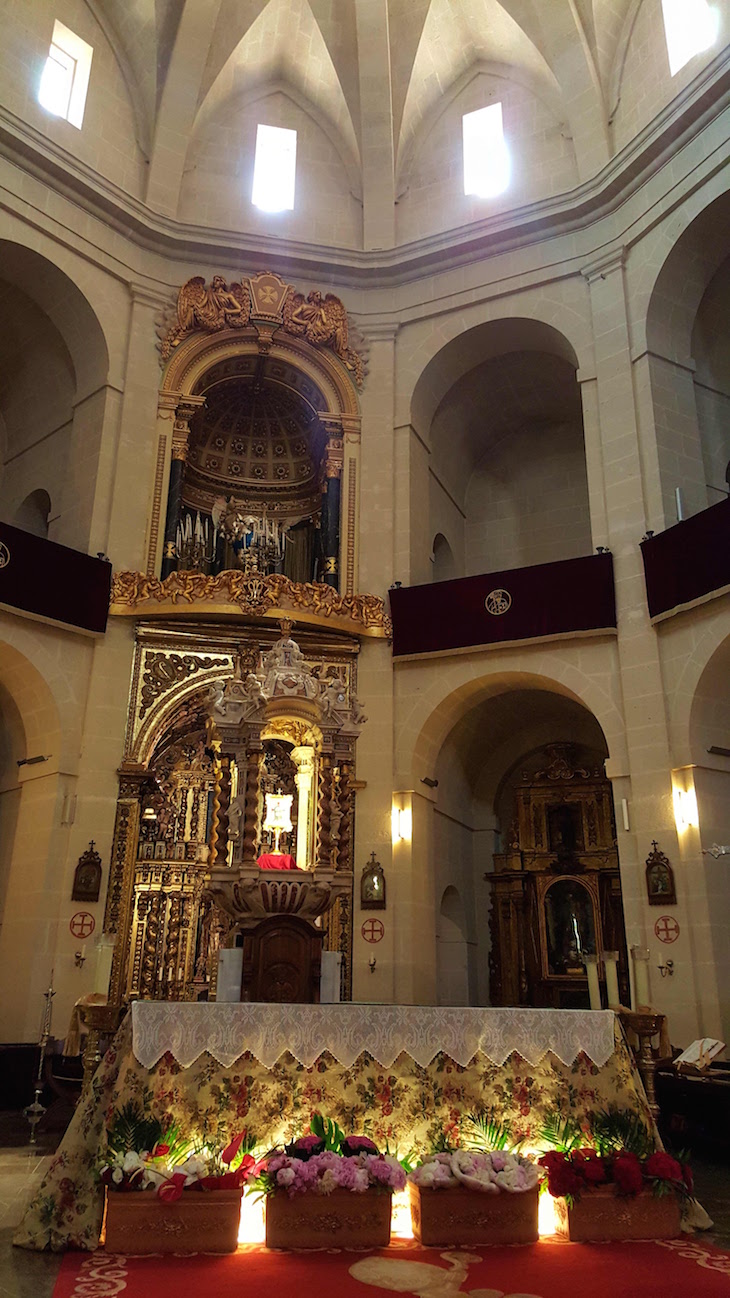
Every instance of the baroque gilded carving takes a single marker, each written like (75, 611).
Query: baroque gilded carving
(162, 671)
(209, 309)
(264, 299)
(251, 593)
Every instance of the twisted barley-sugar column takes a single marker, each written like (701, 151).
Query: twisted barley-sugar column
(324, 812)
(171, 958)
(149, 952)
(254, 758)
(344, 846)
(219, 818)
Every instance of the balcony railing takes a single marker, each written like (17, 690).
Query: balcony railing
(537, 603)
(688, 561)
(51, 581)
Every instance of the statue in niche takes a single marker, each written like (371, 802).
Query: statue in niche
(286, 672)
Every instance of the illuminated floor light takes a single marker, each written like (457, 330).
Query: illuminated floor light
(546, 1220)
(400, 1217)
(252, 1227)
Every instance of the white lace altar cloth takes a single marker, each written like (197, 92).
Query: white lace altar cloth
(226, 1031)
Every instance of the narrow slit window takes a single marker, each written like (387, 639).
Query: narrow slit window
(65, 78)
(274, 169)
(690, 27)
(486, 156)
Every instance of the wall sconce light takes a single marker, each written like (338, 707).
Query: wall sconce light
(372, 963)
(685, 809)
(401, 820)
(80, 957)
(666, 969)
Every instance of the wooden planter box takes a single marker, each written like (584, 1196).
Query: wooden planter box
(202, 1221)
(462, 1216)
(601, 1214)
(342, 1219)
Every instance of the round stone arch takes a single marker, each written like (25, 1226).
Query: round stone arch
(62, 286)
(707, 646)
(433, 718)
(670, 269)
(185, 372)
(440, 353)
(31, 695)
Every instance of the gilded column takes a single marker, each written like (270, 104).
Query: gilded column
(120, 890)
(331, 509)
(324, 812)
(180, 438)
(254, 758)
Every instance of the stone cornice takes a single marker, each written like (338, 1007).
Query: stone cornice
(702, 101)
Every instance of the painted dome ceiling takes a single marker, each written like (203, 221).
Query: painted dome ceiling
(255, 441)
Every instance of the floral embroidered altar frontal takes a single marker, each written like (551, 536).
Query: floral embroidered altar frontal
(400, 1074)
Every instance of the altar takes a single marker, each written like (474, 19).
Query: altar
(404, 1075)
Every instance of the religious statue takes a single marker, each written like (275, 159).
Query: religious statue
(210, 309)
(323, 322)
(286, 672)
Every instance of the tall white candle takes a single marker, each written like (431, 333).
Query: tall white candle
(610, 960)
(594, 990)
(640, 958)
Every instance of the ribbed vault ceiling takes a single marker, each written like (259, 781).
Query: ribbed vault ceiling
(374, 71)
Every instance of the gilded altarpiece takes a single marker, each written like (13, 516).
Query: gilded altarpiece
(175, 812)
(556, 892)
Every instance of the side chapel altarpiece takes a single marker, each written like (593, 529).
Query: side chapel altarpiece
(556, 892)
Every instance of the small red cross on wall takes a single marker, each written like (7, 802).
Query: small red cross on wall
(373, 930)
(82, 923)
(667, 928)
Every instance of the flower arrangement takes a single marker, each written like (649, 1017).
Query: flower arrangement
(621, 1153)
(324, 1160)
(145, 1154)
(489, 1172)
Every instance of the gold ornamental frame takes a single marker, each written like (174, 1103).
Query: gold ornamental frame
(184, 377)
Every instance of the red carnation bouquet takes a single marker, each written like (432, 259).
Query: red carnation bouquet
(620, 1153)
(570, 1174)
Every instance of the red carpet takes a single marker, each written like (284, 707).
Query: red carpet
(679, 1269)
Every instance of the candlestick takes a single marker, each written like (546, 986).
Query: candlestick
(594, 991)
(34, 1112)
(610, 960)
(640, 958)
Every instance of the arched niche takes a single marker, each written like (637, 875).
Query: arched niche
(307, 394)
(521, 799)
(53, 370)
(500, 409)
(687, 341)
(33, 513)
(452, 952)
(444, 567)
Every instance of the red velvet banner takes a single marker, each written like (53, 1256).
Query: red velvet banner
(689, 560)
(518, 604)
(38, 576)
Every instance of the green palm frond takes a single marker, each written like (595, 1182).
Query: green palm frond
(132, 1129)
(328, 1131)
(484, 1130)
(615, 1129)
(560, 1133)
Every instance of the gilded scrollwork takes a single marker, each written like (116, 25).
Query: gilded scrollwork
(321, 320)
(162, 671)
(252, 594)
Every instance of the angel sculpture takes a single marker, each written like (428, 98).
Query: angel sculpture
(323, 322)
(210, 309)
